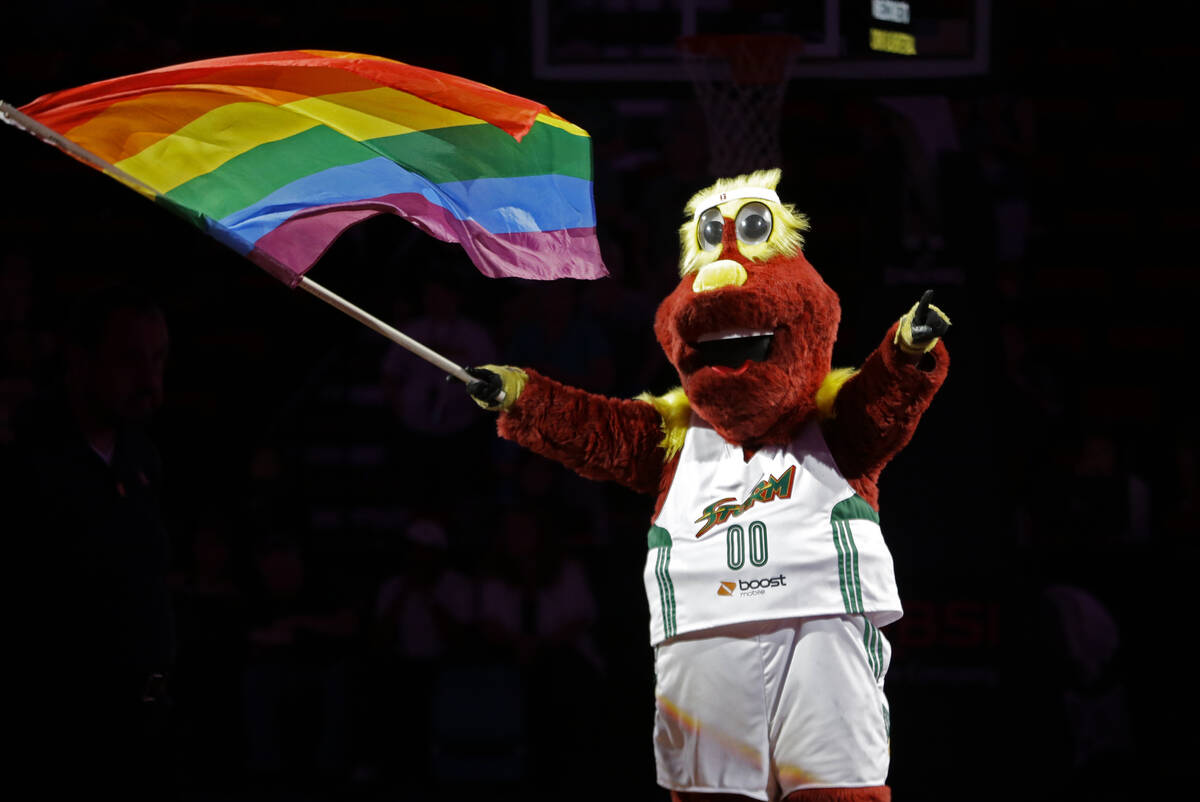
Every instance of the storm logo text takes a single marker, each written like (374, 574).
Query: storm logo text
(767, 490)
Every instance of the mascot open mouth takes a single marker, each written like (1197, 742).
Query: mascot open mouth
(732, 351)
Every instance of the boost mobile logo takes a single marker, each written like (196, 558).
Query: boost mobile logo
(751, 587)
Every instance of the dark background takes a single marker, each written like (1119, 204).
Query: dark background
(1043, 520)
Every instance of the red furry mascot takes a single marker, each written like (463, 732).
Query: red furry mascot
(767, 575)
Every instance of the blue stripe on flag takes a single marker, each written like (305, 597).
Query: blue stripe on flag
(500, 205)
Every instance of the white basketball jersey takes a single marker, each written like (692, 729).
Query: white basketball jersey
(782, 535)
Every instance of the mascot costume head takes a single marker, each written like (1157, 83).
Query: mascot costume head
(751, 325)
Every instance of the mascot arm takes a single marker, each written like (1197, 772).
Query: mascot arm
(595, 436)
(877, 409)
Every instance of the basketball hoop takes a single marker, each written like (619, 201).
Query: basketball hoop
(740, 81)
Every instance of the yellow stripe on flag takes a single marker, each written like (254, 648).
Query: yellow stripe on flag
(559, 122)
(129, 126)
(206, 143)
(372, 113)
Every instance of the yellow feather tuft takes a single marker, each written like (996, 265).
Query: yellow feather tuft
(675, 410)
(786, 238)
(827, 392)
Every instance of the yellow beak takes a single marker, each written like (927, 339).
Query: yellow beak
(721, 273)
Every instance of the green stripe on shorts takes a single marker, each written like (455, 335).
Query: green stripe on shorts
(873, 641)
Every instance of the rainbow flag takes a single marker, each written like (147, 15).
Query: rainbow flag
(276, 154)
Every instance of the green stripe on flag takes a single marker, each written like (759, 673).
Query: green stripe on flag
(467, 152)
(456, 153)
(258, 172)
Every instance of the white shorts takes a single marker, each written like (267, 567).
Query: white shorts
(764, 708)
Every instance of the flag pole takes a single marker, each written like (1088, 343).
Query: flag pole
(16, 118)
(23, 121)
(393, 334)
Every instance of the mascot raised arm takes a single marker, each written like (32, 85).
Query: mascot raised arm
(767, 575)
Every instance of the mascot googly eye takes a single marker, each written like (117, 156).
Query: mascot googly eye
(752, 226)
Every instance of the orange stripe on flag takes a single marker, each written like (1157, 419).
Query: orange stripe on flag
(128, 127)
(269, 85)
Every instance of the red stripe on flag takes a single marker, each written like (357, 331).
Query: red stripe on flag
(309, 74)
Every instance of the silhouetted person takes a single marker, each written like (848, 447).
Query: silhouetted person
(537, 607)
(423, 615)
(82, 483)
(296, 682)
(210, 608)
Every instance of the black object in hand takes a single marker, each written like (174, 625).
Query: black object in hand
(487, 385)
(927, 324)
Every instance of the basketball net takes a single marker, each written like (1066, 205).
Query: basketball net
(740, 81)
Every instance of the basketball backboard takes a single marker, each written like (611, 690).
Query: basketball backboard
(636, 40)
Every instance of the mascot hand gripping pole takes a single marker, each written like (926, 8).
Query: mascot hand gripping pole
(767, 575)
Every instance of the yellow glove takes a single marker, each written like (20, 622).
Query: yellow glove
(496, 387)
(921, 327)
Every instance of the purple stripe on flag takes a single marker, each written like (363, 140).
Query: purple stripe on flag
(296, 244)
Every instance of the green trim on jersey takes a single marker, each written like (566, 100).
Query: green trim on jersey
(666, 591)
(848, 580)
(853, 508)
(659, 538)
